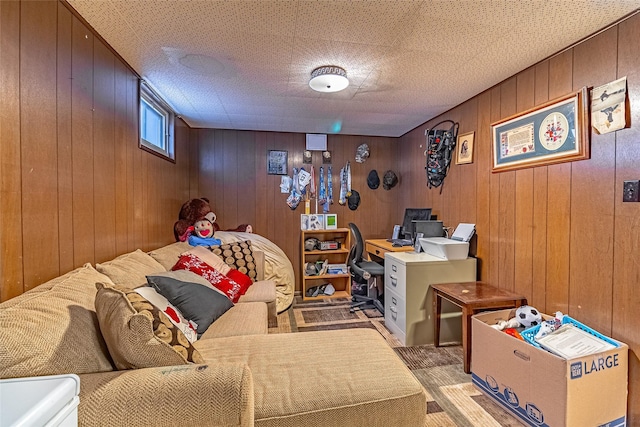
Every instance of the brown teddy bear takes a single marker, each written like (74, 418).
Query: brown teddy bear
(194, 210)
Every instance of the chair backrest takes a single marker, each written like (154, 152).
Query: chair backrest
(358, 243)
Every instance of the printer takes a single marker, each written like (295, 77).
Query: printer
(457, 247)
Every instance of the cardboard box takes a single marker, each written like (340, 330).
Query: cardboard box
(541, 389)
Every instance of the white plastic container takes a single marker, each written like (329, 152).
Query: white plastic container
(444, 248)
(49, 401)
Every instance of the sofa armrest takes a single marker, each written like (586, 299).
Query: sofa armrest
(197, 395)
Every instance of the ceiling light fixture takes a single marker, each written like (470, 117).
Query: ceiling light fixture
(328, 78)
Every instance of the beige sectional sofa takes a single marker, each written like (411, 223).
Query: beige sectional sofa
(247, 377)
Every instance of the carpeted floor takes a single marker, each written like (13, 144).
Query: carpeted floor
(451, 398)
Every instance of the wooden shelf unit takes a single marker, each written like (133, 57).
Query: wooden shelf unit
(341, 282)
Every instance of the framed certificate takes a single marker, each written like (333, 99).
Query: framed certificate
(555, 132)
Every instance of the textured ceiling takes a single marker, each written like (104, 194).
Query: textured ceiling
(246, 64)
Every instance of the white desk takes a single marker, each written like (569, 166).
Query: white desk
(408, 308)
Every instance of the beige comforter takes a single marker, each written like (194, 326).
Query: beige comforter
(277, 266)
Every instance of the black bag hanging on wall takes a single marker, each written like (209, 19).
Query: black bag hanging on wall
(440, 146)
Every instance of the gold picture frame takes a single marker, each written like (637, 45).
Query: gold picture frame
(555, 132)
(464, 148)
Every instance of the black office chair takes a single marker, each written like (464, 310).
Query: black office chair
(361, 271)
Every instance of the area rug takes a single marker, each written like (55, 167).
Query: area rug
(451, 398)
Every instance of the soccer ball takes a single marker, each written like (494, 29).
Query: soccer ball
(528, 316)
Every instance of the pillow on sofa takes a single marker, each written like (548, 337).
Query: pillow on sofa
(232, 289)
(238, 255)
(198, 303)
(185, 276)
(130, 270)
(52, 328)
(218, 264)
(210, 258)
(170, 310)
(137, 334)
(170, 254)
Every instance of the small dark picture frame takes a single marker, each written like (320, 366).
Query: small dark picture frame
(307, 156)
(326, 157)
(277, 162)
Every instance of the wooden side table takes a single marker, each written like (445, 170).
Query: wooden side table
(472, 297)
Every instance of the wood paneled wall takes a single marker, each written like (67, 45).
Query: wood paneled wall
(559, 234)
(75, 186)
(232, 174)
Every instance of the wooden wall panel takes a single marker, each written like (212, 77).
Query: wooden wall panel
(506, 209)
(540, 214)
(69, 155)
(82, 143)
(104, 142)
(593, 184)
(38, 140)
(483, 161)
(495, 229)
(559, 201)
(121, 140)
(11, 273)
(525, 190)
(64, 137)
(626, 242)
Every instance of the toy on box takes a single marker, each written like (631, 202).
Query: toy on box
(526, 316)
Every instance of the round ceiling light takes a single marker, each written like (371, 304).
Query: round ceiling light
(328, 78)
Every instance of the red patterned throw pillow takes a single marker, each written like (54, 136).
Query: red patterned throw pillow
(241, 278)
(232, 289)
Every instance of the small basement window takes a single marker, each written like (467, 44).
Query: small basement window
(156, 124)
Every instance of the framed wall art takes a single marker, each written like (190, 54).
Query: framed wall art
(554, 132)
(277, 162)
(307, 156)
(465, 148)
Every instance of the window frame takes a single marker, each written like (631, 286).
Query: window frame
(147, 95)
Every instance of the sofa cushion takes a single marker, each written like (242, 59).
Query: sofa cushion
(348, 375)
(170, 254)
(263, 291)
(231, 288)
(130, 269)
(137, 334)
(198, 303)
(243, 319)
(238, 255)
(53, 329)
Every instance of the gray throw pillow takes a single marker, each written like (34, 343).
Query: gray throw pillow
(198, 303)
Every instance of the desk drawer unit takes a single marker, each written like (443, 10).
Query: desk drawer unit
(395, 318)
(395, 276)
(408, 296)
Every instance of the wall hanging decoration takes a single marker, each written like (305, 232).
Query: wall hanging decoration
(307, 156)
(465, 148)
(326, 157)
(277, 162)
(554, 132)
(440, 146)
(608, 106)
